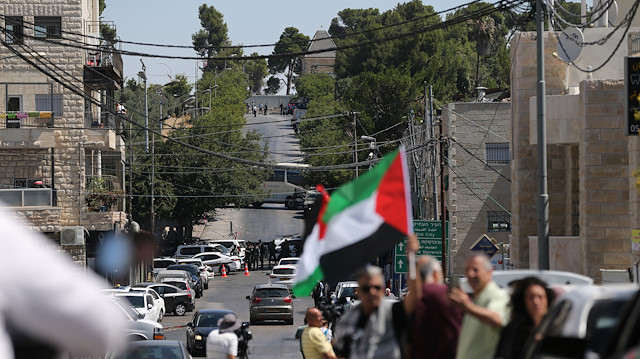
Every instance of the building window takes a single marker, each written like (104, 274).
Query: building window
(48, 27)
(43, 103)
(14, 28)
(25, 182)
(498, 221)
(14, 103)
(498, 153)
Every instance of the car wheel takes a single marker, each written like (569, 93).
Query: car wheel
(257, 204)
(160, 316)
(289, 203)
(252, 320)
(289, 321)
(180, 309)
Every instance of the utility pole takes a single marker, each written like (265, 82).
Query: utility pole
(543, 196)
(432, 155)
(143, 75)
(443, 219)
(355, 144)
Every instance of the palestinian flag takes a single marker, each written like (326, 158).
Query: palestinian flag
(360, 221)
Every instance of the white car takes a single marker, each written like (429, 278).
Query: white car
(284, 274)
(157, 299)
(204, 273)
(161, 263)
(143, 303)
(504, 278)
(136, 328)
(217, 260)
(588, 313)
(294, 261)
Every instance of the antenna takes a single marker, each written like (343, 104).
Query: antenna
(569, 44)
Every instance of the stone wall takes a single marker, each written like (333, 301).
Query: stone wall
(317, 65)
(471, 180)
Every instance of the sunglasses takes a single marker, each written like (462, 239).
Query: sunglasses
(367, 288)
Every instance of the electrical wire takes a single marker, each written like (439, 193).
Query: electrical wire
(482, 161)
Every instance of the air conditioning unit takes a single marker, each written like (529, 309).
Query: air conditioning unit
(72, 235)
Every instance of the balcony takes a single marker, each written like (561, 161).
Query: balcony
(104, 194)
(103, 68)
(33, 119)
(28, 197)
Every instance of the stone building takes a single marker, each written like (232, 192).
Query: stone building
(593, 202)
(479, 194)
(321, 62)
(61, 148)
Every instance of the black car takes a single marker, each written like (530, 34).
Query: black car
(154, 349)
(195, 276)
(202, 323)
(176, 300)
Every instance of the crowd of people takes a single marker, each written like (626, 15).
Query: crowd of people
(257, 253)
(435, 320)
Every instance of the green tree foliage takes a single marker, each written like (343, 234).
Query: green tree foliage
(291, 41)
(101, 6)
(256, 71)
(213, 39)
(273, 86)
(189, 183)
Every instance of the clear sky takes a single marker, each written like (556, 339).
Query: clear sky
(250, 22)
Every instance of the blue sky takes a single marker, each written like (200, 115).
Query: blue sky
(249, 22)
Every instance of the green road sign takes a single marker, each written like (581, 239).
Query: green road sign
(430, 237)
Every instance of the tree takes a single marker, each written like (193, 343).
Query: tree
(273, 86)
(291, 41)
(213, 35)
(256, 71)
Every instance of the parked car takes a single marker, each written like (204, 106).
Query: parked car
(192, 269)
(137, 328)
(284, 274)
(504, 279)
(584, 314)
(202, 323)
(176, 300)
(173, 349)
(293, 242)
(624, 340)
(232, 244)
(293, 261)
(143, 303)
(219, 260)
(190, 250)
(204, 272)
(184, 285)
(270, 302)
(166, 273)
(157, 299)
(161, 263)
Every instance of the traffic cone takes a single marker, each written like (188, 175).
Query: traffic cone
(224, 272)
(246, 270)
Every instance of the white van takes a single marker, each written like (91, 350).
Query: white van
(190, 250)
(230, 244)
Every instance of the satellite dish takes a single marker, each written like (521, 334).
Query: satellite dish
(569, 44)
(613, 13)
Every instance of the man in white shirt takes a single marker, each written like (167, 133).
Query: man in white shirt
(223, 343)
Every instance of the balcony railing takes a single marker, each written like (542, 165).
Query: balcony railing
(104, 194)
(27, 197)
(33, 119)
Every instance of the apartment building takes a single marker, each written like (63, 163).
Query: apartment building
(61, 146)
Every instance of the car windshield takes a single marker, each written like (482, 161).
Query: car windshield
(189, 251)
(208, 320)
(162, 263)
(189, 268)
(347, 292)
(181, 285)
(284, 271)
(151, 352)
(272, 293)
(289, 261)
(137, 301)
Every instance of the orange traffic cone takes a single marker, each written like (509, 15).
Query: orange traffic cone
(246, 270)
(224, 272)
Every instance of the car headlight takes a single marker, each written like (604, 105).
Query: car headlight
(198, 337)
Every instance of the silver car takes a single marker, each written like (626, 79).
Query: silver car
(271, 302)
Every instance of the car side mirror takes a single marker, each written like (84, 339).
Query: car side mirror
(190, 324)
(248, 297)
(149, 306)
(293, 296)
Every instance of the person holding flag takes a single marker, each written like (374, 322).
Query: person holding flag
(361, 220)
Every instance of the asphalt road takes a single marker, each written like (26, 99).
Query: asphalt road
(276, 130)
(271, 340)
